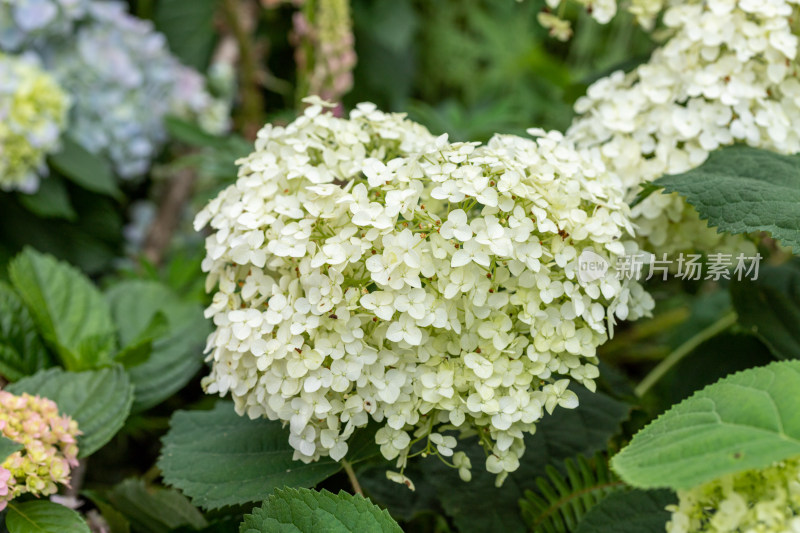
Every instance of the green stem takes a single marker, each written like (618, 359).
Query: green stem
(351, 475)
(683, 350)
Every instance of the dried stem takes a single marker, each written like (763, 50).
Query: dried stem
(169, 215)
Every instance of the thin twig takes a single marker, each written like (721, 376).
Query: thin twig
(179, 190)
(683, 350)
(252, 110)
(352, 476)
(76, 479)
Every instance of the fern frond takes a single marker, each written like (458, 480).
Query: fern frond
(561, 501)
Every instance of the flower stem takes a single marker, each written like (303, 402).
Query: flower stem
(351, 474)
(683, 350)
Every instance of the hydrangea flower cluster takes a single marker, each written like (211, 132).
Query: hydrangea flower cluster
(121, 76)
(367, 269)
(767, 501)
(33, 112)
(22, 22)
(726, 74)
(50, 449)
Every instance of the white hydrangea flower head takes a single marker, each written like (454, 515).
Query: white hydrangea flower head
(726, 74)
(365, 269)
(123, 80)
(33, 113)
(767, 501)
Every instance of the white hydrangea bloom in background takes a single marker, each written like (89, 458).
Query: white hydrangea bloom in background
(767, 501)
(122, 77)
(33, 113)
(364, 269)
(726, 74)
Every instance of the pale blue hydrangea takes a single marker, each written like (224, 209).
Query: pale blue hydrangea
(22, 22)
(122, 78)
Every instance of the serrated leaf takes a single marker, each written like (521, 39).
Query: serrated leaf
(189, 28)
(7, 447)
(243, 460)
(769, 307)
(154, 509)
(309, 511)
(634, 511)
(176, 353)
(84, 168)
(747, 420)
(741, 189)
(69, 311)
(99, 400)
(43, 517)
(51, 200)
(21, 349)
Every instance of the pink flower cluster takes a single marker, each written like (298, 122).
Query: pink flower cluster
(50, 448)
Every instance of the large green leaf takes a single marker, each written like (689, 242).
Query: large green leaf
(99, 400)
(747, 420)
(741, 189)
(88, 170)
(92, 242)
(21, 350)
(69, 311)
(43, 517)
(176, 348)
(309, 511)
(154, 509)
(243, 460)
(51, 200)
(634, 511)
(7, 447)
(189, 28)
(479, 506)
(769, 307)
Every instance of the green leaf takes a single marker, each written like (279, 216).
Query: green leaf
(176, 347)
(744, 421)
(634, 511)
(562, 499)
(51, 200)
(43, 517)
(154, 509)
(21, 350)
(192, 134)
(85, 169)
(309, 511)
(7, 447)
(243, 460)
(69, 311)
(99, 400)
(189, 28)
(714, 359)
(769, 307)
(741, 190)
(117, 523)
